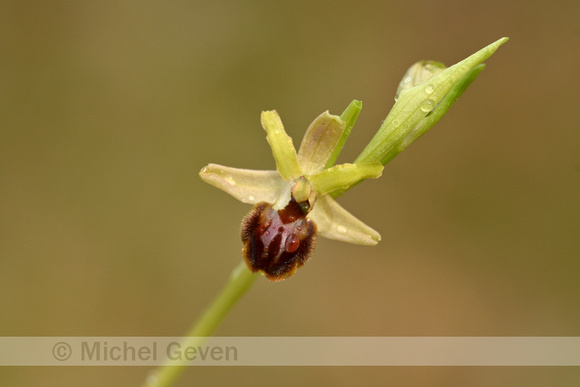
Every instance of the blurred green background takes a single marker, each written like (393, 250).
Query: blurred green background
(108, 110)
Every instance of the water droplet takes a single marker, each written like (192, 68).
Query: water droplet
(341, 229)
(251, 198)
(396, 123)
(427, 105)
(429, 89)
(203, 170)
(292, 243)
(230, 180)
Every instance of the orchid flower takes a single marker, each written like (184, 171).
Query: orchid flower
(292, 204)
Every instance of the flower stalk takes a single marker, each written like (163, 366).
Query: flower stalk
(240, 280)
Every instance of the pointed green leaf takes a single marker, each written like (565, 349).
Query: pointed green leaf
(415, 104)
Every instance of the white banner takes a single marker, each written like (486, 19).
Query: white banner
(290, 351)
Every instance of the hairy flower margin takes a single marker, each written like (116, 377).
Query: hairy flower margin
(309, 179)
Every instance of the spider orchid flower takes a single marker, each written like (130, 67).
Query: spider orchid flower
(293, 204)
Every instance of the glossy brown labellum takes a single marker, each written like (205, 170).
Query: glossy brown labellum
(277, 243)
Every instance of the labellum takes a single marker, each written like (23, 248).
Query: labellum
(278, 242)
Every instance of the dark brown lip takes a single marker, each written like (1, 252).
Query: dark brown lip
(277, 243)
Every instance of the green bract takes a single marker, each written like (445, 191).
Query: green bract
(422, 101)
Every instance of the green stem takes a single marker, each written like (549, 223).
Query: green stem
(240, 280)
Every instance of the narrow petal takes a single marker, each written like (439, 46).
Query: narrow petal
(334, 222)
(319, 142)
(282, 147)
(343, 176)
(246, 185)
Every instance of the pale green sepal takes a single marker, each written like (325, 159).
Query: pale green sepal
(341, 177)
(319, 142)
(246, 185)
(334, 222)
(349, 115)
(282, 146)
(416, 103)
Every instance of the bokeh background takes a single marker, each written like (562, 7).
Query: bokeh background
(108, 110)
